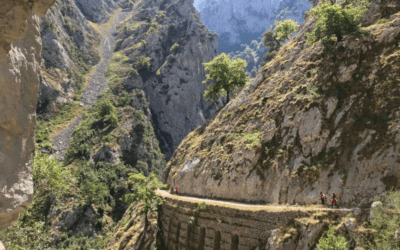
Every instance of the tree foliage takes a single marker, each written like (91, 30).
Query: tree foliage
(335, 20)
(386, 223)
(144, 190)
(331, 241)
(272, 39)
(284, 29)
(227, 76)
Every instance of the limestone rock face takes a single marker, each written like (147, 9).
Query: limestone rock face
(241, 21)
(96, 11)
(309, 122)
(69, 48)
(19, 80)
(176, 48)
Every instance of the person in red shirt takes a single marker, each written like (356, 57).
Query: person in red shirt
(334, 200)
(323, 198)
(176, 190)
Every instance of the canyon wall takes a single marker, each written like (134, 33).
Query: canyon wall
(312, 121)
(20, 48)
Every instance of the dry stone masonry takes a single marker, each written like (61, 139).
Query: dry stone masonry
(186, 227)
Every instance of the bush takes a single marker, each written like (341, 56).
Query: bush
(386, 223)
(92, 190)
(142, 62)
(174, 48)
(332, 242)
(334, 20)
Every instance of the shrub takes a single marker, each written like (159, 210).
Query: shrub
(174, 47)
(332, 242)
(386, 223)
(142, 62)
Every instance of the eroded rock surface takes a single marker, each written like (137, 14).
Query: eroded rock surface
(310, 122)
(172, 37)
(20, 48)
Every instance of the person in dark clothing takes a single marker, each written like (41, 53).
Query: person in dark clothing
(334, 200)
(176, 190)
(323, 198)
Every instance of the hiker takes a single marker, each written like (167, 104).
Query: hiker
(323, 198)
(176, 190)
(334, 200)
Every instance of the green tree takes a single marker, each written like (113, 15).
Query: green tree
(108, 113)
(272, 39)
(227, 76)
(284, 29)
(92, 190)
(336, 20)
(144, 190)
(331, 241)
(386, 223)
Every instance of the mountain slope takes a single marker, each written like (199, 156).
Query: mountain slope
(310, 122)
(166, 44)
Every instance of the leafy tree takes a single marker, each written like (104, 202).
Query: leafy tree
(272, 39)
(144, 190)
(226, 74)
(92, 190)
(386, 223)
(284, 29)
(336, 20)
(332, 242)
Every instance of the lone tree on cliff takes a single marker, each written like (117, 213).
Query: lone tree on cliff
(144, 190)
(227, 76)
(272, 39)
(336, 21)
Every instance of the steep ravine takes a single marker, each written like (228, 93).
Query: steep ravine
(97, 83)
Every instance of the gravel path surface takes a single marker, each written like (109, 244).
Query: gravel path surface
(97, 85)
(241, 205)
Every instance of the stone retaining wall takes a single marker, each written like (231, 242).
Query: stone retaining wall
(185, 227)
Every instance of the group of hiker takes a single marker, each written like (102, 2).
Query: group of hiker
(334, 200)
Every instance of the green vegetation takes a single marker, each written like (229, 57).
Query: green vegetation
(284, 29)
(174, 47)
(144, 191)
(336, 21)
(142, 62)
(385, 224)
(101, 120)
(272, 39)
(331, 241)
(201, 206)
(50, 180)
(48, 124)
(227, 76)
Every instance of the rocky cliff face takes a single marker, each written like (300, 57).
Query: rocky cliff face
(240, 21)
(20, 48)
(166, 43)
(310, 122)
(70, 48)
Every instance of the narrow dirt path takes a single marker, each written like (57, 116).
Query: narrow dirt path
(245, 206)
(97, 84)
